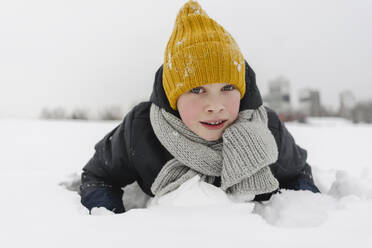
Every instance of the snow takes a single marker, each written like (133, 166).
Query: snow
(41, 161)
(238, 66)
(169, 60)
(193, 192)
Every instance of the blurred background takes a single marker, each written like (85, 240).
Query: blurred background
(80, 59)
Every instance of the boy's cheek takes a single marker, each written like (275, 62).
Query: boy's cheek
(189, 111)
(188, 116)
(234, 109)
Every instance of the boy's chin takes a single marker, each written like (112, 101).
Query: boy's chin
(212, 138)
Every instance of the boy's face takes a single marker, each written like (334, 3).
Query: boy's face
(209, 109)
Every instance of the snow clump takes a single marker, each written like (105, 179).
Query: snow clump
(193, 192)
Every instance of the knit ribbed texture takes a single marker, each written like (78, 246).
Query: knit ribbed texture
(241, 158)
(200, 52)
(261, 150)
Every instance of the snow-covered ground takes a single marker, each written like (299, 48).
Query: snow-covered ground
(39, 159)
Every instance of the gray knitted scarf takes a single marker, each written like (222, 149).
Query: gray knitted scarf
(241, 158)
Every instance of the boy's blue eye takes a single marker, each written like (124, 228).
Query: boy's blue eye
(197, 90)
(229, 87)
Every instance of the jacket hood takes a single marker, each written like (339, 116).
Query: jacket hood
(251, 100)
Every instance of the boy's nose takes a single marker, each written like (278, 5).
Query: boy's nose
(214, 107)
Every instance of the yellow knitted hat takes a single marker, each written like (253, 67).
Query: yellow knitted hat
(199, 52)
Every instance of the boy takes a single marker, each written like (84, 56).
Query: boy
(205, 117)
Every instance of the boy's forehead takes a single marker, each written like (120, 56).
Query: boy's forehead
(213, 85)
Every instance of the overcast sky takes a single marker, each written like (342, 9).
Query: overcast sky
(92, 54)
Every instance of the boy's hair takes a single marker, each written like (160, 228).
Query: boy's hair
(200, 52)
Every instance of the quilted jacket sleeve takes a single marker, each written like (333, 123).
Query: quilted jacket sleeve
(108, 171)
(292, 162)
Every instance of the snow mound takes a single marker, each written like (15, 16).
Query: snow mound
(324, 178)
(193, 192)
(306, 209)
(291, 209)
(101, 211)
(296, 209)
(347, 185)
(72, 182)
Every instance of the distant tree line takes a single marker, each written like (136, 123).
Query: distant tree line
(59, 113)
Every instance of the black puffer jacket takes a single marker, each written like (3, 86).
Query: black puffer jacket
(131, 152)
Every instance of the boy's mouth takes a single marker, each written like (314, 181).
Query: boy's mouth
(213, 125)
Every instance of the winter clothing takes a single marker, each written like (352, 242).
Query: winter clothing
(241, 158)
(200, 52)
(132, 152)
(256, 154)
